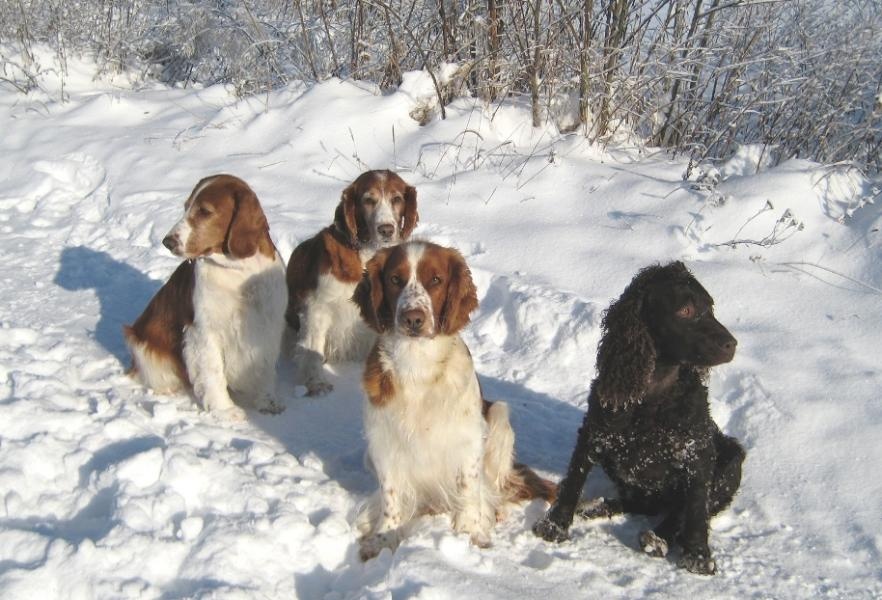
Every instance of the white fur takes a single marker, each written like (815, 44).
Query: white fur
(383, 214)
(182, 229)
(430, 446)
(234, 342)
(414, 294)
(154, 371)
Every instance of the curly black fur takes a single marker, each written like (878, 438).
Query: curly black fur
(648, 423)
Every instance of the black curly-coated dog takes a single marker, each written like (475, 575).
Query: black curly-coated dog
(648, 423)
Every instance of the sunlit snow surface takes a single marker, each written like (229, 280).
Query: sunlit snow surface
(109, 491)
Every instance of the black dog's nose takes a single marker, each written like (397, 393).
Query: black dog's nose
(727, 347)
(414, 319)
(170, 242)
(386, 231)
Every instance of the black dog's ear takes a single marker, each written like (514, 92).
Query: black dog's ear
(626, 356)
(369, 294)
(678, 269)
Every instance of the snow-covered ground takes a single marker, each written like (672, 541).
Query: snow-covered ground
(109, 491)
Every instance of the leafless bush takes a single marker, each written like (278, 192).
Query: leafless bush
(697, 76)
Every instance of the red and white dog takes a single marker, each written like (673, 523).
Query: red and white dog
(434, 443)
(215, 326)
(376, 210)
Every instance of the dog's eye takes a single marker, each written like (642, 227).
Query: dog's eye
(397, 200)
(203, 211)
(396, 280)
(368, 201)
(434, 281)
(686, 312)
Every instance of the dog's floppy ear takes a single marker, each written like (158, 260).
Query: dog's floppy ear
(626, 356)
(369, 293)
(411, 217)
(344, 216)
(461, 298)
(247, 225)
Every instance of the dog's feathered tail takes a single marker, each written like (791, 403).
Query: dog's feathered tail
(525, 484)
(515, 482)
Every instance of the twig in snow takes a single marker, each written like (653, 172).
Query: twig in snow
(794, 265)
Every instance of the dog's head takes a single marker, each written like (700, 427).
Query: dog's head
(664, 316)
(417, 289)
(221, 216)
(377, 210)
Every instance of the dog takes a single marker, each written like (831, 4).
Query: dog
(648, 423)
(215, 327)
(377, 210)
(434, 443)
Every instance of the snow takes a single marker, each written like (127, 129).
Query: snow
(110, 491)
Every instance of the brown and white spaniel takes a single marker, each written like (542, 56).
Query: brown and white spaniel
(434, 443)
(214, 327)
(377, 210)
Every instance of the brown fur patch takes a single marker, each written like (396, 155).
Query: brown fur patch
(379, 385)
(161, 325)
(369, 295)
(525, 484)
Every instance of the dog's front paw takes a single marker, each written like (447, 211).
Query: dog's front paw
(480, 539)
(318, 387)
(550, 531)
(372, 545)
(476, 524)
(698, 563)
(652, 544)
(271, 406)
(233, 414)
(599, 508)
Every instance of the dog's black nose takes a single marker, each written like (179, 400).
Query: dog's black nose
(386, 230)
(414, 319)
(727, 348)
(170, 242)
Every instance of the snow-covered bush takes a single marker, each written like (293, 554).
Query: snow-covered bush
(703, 77)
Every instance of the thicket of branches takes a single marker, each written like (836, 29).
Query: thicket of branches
(802, 77)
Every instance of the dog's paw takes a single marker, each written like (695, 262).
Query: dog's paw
(480, 539)
(550, 531)
(233, 414)
(371, 545)
(475, 523)
(270, 406)
(700, 564)
(318, 387)
(652, 544)
(598, 508)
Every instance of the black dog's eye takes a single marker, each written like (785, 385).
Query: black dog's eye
(395, 279)
(686, 312)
